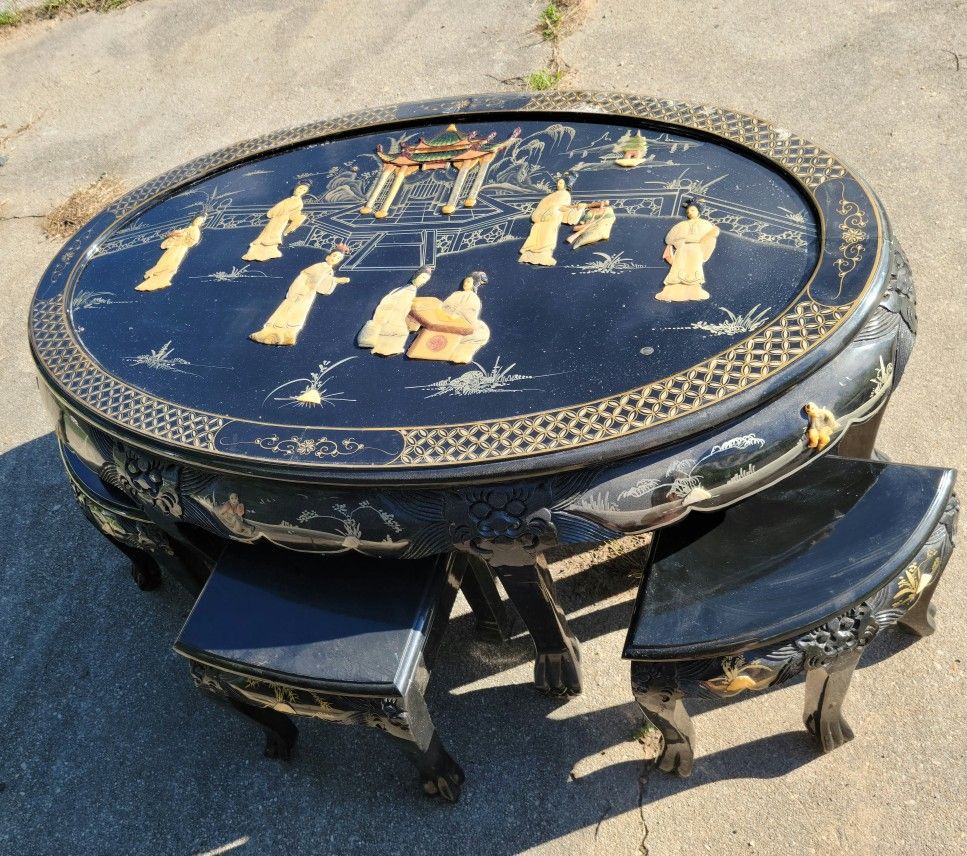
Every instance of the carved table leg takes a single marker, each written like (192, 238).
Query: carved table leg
(145, 544)
(557, 667)
(661, 702)
(480, 590)
(440, 775)
(920, 620)
(826, 688)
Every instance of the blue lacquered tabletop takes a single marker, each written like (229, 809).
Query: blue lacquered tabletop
(448, 284)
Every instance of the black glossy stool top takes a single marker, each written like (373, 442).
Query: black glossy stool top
(343, 624)
(785, 559)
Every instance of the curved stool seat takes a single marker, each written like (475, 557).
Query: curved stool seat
(797, 578)
(347, 640)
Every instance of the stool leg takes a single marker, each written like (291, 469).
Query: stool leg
(280, 731)
(440, 775)
(557, 666)
(826, 688)
(480, 590)
(660, 700)
(920, 620)
(144, 569)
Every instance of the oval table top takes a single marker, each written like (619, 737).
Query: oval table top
(517, 282)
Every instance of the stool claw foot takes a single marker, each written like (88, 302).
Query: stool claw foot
(440, 775)
(678, 737)
(660, 700)
(676, 758)
(826, 688)
(921, 619)
(446, 786)
(830, 733)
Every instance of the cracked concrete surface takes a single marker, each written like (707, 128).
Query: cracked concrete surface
(107, 749)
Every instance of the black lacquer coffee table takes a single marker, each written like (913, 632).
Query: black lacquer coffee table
(491, 324)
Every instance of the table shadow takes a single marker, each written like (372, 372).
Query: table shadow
(109, 749)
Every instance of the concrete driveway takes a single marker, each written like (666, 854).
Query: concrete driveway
(106, 748)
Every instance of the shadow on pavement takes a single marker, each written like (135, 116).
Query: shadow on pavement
(109, 749)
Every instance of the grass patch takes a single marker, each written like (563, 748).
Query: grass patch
(650, 739)
(560, 18)
(50, 9)
(81, 205)
(56, 8)
(550, 21)
(546, 78)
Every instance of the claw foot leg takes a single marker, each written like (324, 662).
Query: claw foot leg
(558, 675)
(826, 688)
(920, 619)
(493, 624)
(557, 664)
(440, 775)
(660, 701)
(280, 731)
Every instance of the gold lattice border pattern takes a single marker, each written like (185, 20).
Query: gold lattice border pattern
(808, 162)
(749, 362)
(88, 383)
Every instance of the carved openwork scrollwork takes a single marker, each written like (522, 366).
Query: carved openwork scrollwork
(131, 533)
(145, 479)
(506, 525)
(385, 714)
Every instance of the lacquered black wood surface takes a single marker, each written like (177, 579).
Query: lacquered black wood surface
(785, 559)
(591, 364)
(92, 484)
(355, 623)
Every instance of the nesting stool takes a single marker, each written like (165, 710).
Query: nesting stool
(125, 525)
(344, 639)
(797, 578)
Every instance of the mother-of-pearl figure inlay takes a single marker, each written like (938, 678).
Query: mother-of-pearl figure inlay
(284, 218)
(525, 313)
(283, 325)
(175, 245)
(553, 210)
(689, 245)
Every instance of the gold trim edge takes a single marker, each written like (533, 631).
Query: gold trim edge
(791, 335)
